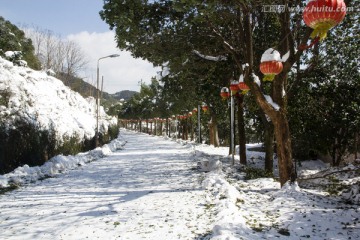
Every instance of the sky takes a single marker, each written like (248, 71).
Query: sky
(79, 20)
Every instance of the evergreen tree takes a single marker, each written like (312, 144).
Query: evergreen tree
(325, 112)
(13, 39)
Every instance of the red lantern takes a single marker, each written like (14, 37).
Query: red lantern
(243, 87)
(205, 108)
(271, 64)
(322, 15)
(271, 69)
(224, 93)
(234, 88)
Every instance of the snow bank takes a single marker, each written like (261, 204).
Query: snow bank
(225, 198)
(209, 165)
(58, 164)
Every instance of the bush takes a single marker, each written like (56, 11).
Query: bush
(112, 133)
(24, 144)
(27, 143)
(71, 146)
(254, 173)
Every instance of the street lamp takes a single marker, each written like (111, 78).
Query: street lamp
(98, 99)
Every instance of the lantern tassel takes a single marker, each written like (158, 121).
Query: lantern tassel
(269, 77)
(321, 29)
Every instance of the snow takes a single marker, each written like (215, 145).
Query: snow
(245, 66)
(241, 78)
(151, 188)
(211, 58)
(285, 57)
(46, 102)
(270, 55)
(12, 54)
(271, 102)
(256, 79)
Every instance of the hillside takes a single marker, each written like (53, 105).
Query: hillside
(86, 89)
(37, 97)
(40, 117)
(125, 94)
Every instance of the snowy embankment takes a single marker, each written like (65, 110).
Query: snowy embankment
(45, 101)
(56, 165)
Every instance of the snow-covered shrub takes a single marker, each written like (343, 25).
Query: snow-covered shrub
(209, 165)
(12, 56)
(352, 194)
(50, 72)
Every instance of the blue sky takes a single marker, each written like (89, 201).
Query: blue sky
(61, 16)
(79, 20)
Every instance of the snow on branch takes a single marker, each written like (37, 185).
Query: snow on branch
(271, 102)
(211, 58)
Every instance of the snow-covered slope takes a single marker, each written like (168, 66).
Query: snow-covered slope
(44, 100)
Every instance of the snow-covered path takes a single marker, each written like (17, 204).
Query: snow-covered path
(149, 190)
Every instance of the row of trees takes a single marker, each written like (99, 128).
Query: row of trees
(206, 44)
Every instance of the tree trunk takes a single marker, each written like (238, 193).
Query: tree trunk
(213, 132)
(192, 129)
(356, 145)
(283, 140)
(241, 130)
(230, 137)
(269, 147)
(216, 136)
(161, 128)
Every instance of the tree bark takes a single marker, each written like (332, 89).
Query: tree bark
(213, 132)
(283, 149)
(268, 143)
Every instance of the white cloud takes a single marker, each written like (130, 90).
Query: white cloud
(121, 73)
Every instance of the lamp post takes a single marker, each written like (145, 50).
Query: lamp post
(224, 93)
(98, 98)
(199, 123)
